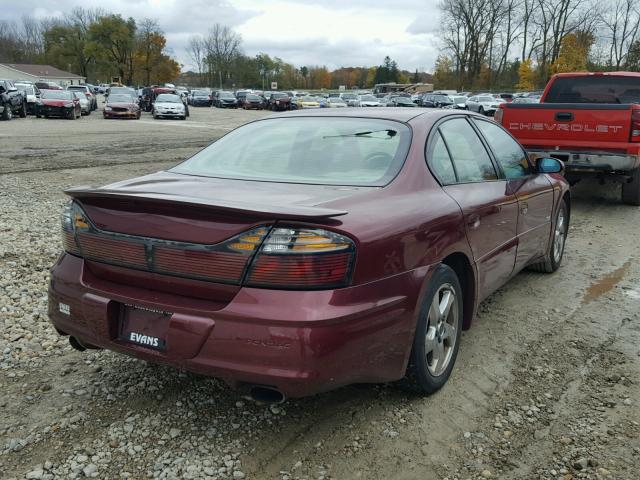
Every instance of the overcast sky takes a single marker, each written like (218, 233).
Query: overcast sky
(334, 33)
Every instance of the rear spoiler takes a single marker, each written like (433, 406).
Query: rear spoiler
(253, 209)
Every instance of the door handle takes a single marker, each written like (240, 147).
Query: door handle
(564, 116)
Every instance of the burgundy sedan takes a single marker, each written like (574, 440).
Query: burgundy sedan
(310, 250)
(120, 105)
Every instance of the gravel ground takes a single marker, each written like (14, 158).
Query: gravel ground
(547, 383)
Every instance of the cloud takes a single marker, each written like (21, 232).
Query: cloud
(425, 23)
(334, 33)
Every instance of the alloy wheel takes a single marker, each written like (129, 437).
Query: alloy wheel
(559, 235)
(443, 323)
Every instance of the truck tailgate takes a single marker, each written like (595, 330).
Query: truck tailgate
(585, 126)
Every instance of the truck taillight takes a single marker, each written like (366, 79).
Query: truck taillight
(497, 116)
(302, 258)
(635, 125)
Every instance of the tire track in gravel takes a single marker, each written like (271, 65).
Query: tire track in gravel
(87, 157)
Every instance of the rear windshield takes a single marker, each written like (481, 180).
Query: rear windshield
(594, 89)
(321, 151)
(120, 98)
(57, 95)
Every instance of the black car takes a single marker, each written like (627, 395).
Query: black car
(226, 100)
(400, 102)
(436, 101)
(200, 98)
(12, 101)
(240, 96)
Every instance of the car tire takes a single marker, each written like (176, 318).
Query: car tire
(631, 190)
(481, 111)
(184, 117)
(6, 113)
(554, 255)
(437, 334)
(23, 110)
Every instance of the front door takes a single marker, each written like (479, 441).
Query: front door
(534, 193)
(490, 210)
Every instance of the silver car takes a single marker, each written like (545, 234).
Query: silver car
(351, 99)
(484, 104)
(85, 103)
(369, 101)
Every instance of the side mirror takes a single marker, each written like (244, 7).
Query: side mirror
(549, 165)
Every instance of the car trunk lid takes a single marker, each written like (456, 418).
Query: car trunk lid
(171, 225)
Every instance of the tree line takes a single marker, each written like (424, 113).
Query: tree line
(93, 43)
(500, 44)
(220, 62)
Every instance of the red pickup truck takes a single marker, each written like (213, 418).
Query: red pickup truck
(591, 121)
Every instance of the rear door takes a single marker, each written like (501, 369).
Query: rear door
(534, 192)
(461, 163)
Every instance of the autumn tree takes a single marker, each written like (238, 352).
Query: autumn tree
(526, 76)
(443, 77)
(574, 53)
(149, 46)
(112, 40)
(319, 77)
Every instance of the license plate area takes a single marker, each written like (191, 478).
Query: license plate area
(144, 327)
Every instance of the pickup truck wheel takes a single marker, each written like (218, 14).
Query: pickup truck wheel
(554, 256)
(437, 336)
(23, 110)
(6, 113)
(631, 190)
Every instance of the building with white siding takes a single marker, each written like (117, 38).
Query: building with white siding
(34, 73)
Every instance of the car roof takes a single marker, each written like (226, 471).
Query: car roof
(385, 113)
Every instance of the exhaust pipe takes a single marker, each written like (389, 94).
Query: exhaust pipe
(266, 394)
(81, 347)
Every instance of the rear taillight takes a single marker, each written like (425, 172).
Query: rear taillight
(497, 116)
(268, 257)
(68, 238)
(635, 125)
(224, 262)
(302, 258)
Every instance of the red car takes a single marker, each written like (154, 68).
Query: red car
(58, 103)
(310, 250)
(120, 105)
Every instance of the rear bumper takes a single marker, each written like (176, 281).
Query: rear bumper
(54, 111)
(113, 114)
(592, 162)
(300, 342)
(172, 114)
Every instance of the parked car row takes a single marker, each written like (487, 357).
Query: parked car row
(43, 99)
